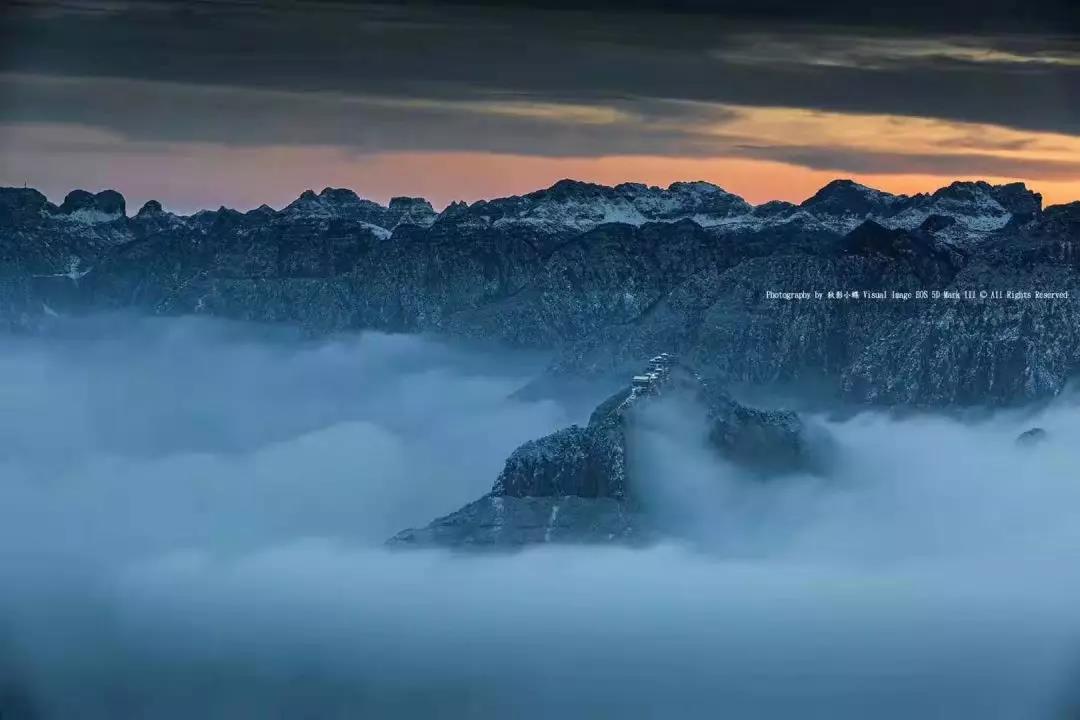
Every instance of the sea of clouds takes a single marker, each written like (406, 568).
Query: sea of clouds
(192, 515)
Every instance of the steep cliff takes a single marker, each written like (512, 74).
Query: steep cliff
(576, 484)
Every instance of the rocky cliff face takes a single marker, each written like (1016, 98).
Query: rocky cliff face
(604, 277)
(575, 485)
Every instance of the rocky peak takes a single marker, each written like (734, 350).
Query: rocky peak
(403, 203)
(578, 206)
(263, 210)
(573, 485)
(83, 206)
(77, 200)
(847, 197)
(974, 205)
(1017, 199)
(21, 205)
(331, 201)
(305, 202)
(566, 189)
(775, 208)
(630, 189)
(975, 208)
(457, 207)
(153, 218)
(965, 193)
(221, 220)
(412, 210)
(700, 187)
(149, 208)
(699, 200)
(22, 197)
(347, 201)
(1062, 220)
(342, 203)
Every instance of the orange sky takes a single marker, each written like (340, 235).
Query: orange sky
(206, 175)
(475, 175)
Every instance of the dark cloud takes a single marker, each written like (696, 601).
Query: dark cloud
(724, 53)
(913, 15)
(147, 112)
(1037, 16)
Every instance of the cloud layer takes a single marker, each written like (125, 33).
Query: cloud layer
(191, 515)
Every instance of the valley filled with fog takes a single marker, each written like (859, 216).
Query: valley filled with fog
(193, 516)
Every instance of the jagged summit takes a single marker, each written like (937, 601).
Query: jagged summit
(153, 218)
(411, 211)
(847, 197)
(345, 204)
(150, 207)
(83, 206)
(20, 206)
(840, 206)
(575, 485)
(263, 210)
(330, 201)
(1014, 197)
(340, 195)
(403, 202)
(978, 207)
(571, 206)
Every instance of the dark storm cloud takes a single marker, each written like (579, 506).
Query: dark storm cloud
(917, 15)
(153, 113)
(990, 63)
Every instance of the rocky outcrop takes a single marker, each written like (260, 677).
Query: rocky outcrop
(604, 277)
(1033, 436)
(977, 207)
(575, 485)
(569, 205)
(344, 204)
(83, 206)
(505, 522)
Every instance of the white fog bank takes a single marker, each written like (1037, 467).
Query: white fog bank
(192, 516)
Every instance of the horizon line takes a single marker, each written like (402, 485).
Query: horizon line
(566, 180)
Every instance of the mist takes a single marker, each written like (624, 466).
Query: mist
(192, 518)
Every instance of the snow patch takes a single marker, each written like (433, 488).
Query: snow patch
(90, 216)
(552, 518)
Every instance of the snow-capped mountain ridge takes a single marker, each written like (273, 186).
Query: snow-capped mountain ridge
(579, 206)
(342, 203)
(685, 269)
(840, 206)
(82, 206)
(574, 206)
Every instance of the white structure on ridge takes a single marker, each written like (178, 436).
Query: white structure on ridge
(658, 370)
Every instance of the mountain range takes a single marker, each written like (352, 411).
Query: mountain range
(606, 277)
